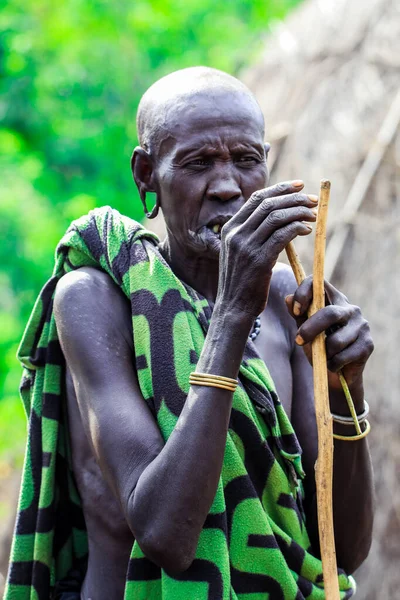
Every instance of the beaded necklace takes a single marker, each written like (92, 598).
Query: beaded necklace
(256, 329)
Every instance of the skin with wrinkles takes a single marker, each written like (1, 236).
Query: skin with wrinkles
(207, 164)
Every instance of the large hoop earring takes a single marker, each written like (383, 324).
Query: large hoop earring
(154, 211)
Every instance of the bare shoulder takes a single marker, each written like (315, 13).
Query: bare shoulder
(283, 281)
(86, 285)
(86, 297)
(94, 326)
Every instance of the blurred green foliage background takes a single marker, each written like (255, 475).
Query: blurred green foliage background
(71, 76)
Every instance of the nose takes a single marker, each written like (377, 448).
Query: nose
(224, 186)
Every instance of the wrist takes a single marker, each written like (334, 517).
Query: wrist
(225, 342)
(233, 318)
(338, 402)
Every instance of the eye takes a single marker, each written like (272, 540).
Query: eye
(198, 162)
(248, 160)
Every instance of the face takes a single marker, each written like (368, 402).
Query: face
(211, 159)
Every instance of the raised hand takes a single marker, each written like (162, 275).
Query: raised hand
(253, 239)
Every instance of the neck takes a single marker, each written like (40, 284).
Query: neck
(199, 272)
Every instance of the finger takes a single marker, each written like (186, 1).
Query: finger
(274, 245)
(342, 338)
(357, 354)
(302, 297)
(333, 295)
(289, 301)
(273, 214)
(322, 320)
(279, 189)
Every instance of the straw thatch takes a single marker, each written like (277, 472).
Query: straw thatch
(328, 83)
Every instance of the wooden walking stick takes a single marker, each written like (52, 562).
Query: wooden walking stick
(324, 464)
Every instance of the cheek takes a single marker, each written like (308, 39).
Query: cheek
(181, 210)
(184, 196)
(179, 187)
(254, 180)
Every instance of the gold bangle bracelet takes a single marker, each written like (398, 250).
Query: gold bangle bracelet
(354, 438)
(213, 382)
(221, 386)
(210, 375)
(209, 380)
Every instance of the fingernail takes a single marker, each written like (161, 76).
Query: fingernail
(298, 183)
(313, 198)
(314, 211)
(297, 308)
(307, 225)
(299, 340)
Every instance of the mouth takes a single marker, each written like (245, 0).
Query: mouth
(208, 237)
(216, 224)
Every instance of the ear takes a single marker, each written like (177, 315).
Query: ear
(142, 171)
(267, 148)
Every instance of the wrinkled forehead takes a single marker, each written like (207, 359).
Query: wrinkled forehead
(211, 105)
(210, 115)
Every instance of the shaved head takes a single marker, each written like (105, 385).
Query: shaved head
(163, 103)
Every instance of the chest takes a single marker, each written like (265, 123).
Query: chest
(274, 346)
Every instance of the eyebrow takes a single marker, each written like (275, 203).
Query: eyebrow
(237, 148)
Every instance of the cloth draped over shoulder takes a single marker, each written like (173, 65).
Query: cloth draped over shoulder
(254, 542)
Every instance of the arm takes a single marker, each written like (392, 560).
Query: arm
(166, 491)
(348, 347)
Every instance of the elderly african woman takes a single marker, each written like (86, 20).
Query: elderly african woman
(172, 433)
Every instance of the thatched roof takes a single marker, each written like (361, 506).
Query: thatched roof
(328, 84)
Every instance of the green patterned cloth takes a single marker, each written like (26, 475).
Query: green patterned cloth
(254, 543)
